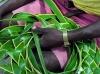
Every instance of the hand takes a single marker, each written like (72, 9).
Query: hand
(50, 37)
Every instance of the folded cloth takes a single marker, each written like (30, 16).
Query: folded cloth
(89, 6)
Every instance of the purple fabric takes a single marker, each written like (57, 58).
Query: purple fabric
(39, 7)
(61, 54)
(35, 7)
(60, 4)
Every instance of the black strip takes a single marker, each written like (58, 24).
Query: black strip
(74, 13)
